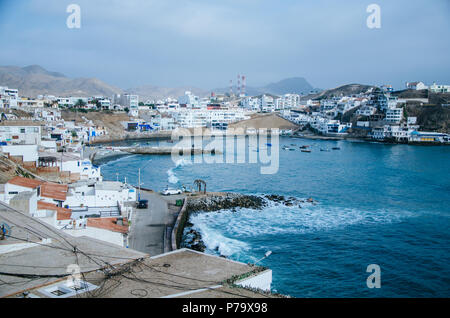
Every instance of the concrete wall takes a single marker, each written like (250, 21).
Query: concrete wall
(25, 204)
(177, 232)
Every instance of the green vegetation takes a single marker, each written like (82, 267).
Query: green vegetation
(80, 103)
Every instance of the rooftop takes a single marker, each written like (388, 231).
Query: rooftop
(62, 213)
(25, 182)
(34, 258)
(110, 186)
(54, 191)
(110, 224)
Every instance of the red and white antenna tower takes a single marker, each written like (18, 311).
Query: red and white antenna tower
(239, 85)
(243, 84)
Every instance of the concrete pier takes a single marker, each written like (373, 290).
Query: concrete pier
(169, 151)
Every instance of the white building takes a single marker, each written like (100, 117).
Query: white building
(416, 86)
(100, 194)
(189, 100)
(8, 97)
(394, 115)
(209, 118)
(267, 103)
(20, 135)
(251, 103)
(288, 101)
(435, 88)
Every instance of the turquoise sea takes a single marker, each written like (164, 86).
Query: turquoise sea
(378, 204)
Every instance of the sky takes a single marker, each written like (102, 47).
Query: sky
(206, 43)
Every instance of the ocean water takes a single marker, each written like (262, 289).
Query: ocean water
(378, 204)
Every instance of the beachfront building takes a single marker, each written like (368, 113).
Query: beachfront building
(394, 115)
(214, 118)
(333, 127)
(433, 137)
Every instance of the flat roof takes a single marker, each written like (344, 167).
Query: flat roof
(182, 273)
(47, 260)
(117, 272)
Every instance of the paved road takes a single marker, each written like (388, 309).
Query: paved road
(148, 226)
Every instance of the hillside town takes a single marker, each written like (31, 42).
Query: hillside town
(67, 190)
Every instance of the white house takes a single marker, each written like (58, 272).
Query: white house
(416, 86)
(100, 194)
(20, 135)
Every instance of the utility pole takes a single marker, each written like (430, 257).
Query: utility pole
(139, 185)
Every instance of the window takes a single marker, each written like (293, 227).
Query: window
(67, 289)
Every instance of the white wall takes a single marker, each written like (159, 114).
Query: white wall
(99, 234)
(29, 152)
(262, 281)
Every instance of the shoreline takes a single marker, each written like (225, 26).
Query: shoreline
(368, 140)
(214, 202)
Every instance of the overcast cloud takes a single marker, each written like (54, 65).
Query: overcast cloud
(207, 43)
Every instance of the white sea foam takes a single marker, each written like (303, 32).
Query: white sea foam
(217, 243)
(227, 231)
(173, 179)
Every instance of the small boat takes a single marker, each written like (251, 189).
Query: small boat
(304, 147)
(336, 148)
(325, 150)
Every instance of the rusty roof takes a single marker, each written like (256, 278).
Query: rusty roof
(108, 224)
(62, 213)
(25, 182)
(54, 191)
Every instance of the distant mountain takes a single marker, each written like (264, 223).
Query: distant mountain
(151, 92)
(345, 90)
(34, 80)
(294, 85)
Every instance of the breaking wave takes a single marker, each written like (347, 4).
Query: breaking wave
(172, 178)
(227, 232)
